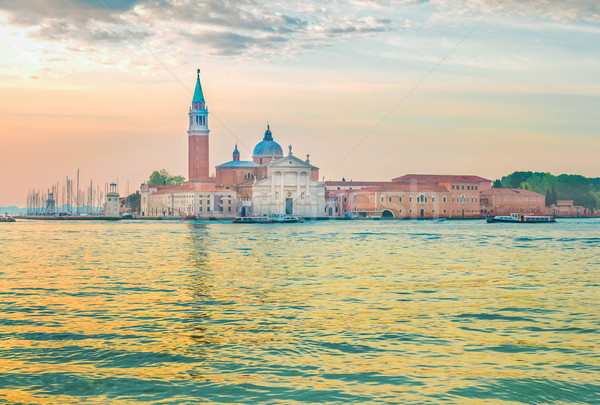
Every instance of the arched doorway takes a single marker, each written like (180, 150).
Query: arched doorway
(387, 214)
(243, 213)
(422, 213)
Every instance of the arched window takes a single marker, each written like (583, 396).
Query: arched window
(248, 176)
(422, 199)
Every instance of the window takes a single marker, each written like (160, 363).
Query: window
(410, 200)
(422, 199)
(463, 187)
(433, 211)
(453, 187)
(444, 211)
(229, 209)
(475, 187)
(344, 199)
(444, 200)
(200, 209)
(400, 199)
(410, 211)
(400, 211)
(390, 199)
(381, 199)
(432, 199)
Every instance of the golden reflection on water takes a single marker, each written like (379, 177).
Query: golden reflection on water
(361, 311)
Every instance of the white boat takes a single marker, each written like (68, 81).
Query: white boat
(266, 219)
(253, 219)
(521, 218)
(287, 219)
(6, 218)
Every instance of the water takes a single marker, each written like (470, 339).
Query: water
(339, 312)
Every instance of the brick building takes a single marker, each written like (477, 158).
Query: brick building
(409, 196)
(502, 201)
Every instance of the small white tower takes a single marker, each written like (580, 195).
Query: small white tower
(112, 202)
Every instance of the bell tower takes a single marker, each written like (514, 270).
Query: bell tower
(198, 169)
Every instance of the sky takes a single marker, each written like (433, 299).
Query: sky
(370, 89)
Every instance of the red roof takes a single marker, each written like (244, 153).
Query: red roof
(510, 191)
(405, 187)
(441, 178)
(187, 188)
(356, 183)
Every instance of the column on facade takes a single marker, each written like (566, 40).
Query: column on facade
(281, 202)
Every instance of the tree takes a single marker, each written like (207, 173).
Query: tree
(582, 190)
(515, 179)
(553, 197)
(134, 202)
(497, 184)
(162, 177)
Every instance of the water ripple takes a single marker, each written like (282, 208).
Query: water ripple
(165, 312)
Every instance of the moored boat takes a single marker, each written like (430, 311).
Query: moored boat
(6, 218)
(287, 219)
(266, 219)
(253, 219)
(521, 218)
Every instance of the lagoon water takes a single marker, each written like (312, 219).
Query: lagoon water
(339, 312)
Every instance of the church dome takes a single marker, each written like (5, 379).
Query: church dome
(268, 147)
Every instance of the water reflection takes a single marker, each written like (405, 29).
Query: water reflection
(339, 312)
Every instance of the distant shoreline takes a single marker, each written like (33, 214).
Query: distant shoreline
(229, 219)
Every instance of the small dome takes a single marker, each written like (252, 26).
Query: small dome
(236, 152)
(268, 147)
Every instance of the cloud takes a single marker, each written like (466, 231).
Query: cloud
(555, 10)
(179, 29)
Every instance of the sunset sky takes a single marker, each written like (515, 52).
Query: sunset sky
(480, 87)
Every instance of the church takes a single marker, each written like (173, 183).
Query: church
(270, 183)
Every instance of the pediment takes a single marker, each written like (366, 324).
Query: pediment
(290, 160)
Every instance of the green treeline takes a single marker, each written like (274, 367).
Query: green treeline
(584, 191)
(163, 177)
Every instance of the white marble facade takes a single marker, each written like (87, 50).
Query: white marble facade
(289, 189)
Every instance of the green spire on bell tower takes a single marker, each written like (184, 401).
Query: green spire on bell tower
(198, 96)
